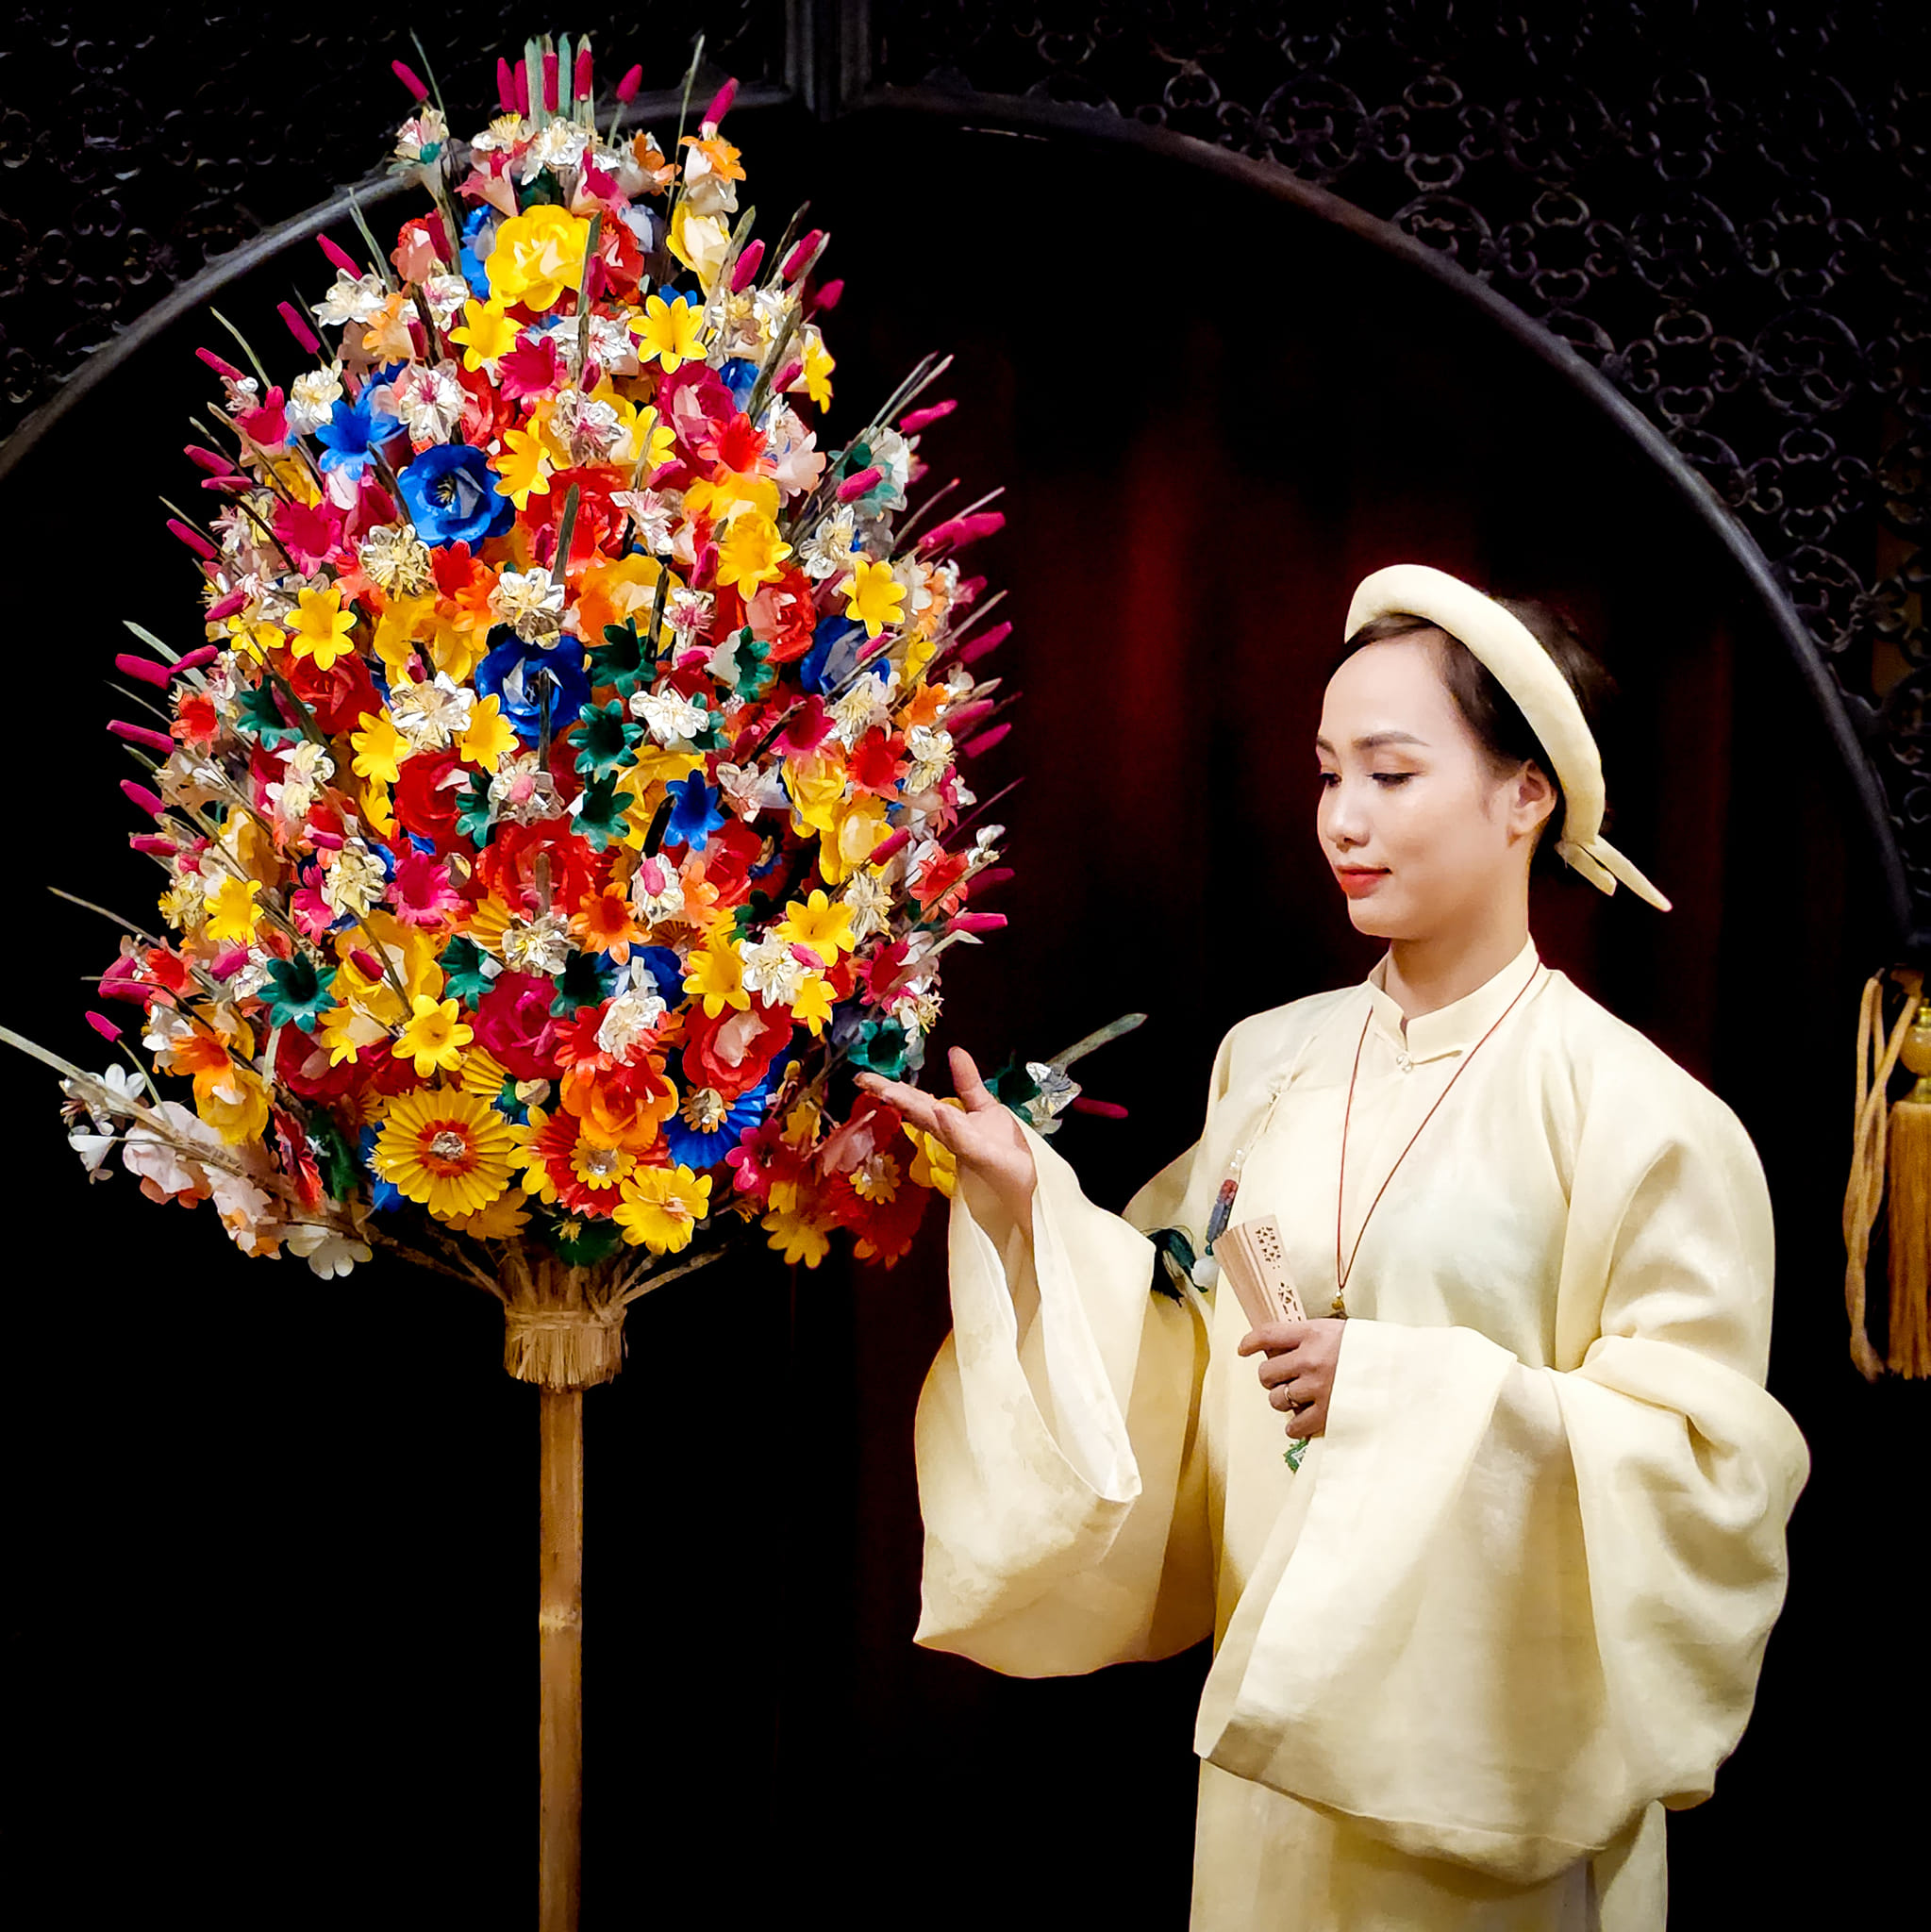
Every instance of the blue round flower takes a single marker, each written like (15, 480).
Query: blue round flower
(473, 270)
(695, 1148)
(451, 494)
(517, 675)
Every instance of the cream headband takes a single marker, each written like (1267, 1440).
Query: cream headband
(1526, 672)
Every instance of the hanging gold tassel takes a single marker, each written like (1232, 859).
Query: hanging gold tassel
(1911, 1208)
(1910, 1171)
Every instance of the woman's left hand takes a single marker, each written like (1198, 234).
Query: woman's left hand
(1298, 1374)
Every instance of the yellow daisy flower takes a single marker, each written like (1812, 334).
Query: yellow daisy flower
(661, 1206)
(446, 1150)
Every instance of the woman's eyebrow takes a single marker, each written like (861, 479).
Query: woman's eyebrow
(1373, 740)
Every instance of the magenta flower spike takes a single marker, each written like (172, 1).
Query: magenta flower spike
(141, 735)
(154, 843)
(192, 537)
(978, 921)
(801, 253)
(829, 296)
(975, 648)
(338, 256)
(626, 88)
(855, 487)
(219, 365)
(145, 669)
(583, 85)
(721, 103)
(745, 273)
(298, 327)
(409, 79)
(103, 1026)
(197, 659)
(550, 82)
(916, 419)
(506, 86)
(139, 794)
(984, 741)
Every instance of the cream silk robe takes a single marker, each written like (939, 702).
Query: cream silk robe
(1515, 1600)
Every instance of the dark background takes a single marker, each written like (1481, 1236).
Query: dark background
(271, 1615)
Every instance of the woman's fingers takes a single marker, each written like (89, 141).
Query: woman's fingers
(919, 1109)
(967, 1084)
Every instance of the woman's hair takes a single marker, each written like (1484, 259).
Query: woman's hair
(1492, 715)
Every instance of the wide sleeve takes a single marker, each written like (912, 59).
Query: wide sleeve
(1060, 1473)
(1522, 1604)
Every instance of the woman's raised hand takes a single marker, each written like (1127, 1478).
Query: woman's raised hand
(983, 1133)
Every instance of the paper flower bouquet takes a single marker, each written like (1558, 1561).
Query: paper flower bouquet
(571, 779)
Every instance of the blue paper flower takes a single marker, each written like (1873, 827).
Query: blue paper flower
(473, 270)
(694, 814)
(451, 494)
(741, 377)
(695, 1148)
(666, 971)
(518, 673)
(383, 1194)
(834, 654)
(354, 430)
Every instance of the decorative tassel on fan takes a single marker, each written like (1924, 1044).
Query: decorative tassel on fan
(1903, 1133)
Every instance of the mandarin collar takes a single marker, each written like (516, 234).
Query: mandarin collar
(1456, 1026)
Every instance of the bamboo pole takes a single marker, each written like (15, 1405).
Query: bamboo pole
(560, 1645)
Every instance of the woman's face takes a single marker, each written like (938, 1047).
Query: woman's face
(1424, 833)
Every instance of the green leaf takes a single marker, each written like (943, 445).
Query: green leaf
(600, 818)
(590, 1241)
(258, 713)
(341, 1172)
(463, 977)
(750, 662)
(605, 739)
(622, 658)
(473, 810)
(297, 994)
(581, 983)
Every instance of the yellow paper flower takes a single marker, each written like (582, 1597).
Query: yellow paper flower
(231, 910)
(717, 975)
(487, 335)
(489, 735)
(523, 466)
(859, 827)
(380, 748)
(446, 1150)
(822, 923)
(751, 553)
(233, 1101)
(812, 1002)
(728, 493)
(661, 1206)
(601, 1167)
(819, 363)
(322, 628)
(873, 596)
(537, 256)
(700, 242)
(670, 333)
(795, 1237)
(934, 1165)
(347, 1028)
(434, 1036)
(504, 1219)
(817, 786)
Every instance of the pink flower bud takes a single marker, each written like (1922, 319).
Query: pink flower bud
(984, 645)
(220, 367)
(626, 88)
(141, 795)
(325, 841)
(550, 82)
(891, 848)
(153, 842)
(226, 607)
(192, 537)
(212, 460)
(916, 419)
(206, 653)
(992, 875)
(1106, 1110)
(366, 963)
(829, 296)
(978, 921)
(855, 487)
(984, 741)
(341, 257)
(747, 268)
(140, 734)
(787, 375)
(522, 89)
(130, 992)
(805, 956)
(409, 79)
(306, 336)
(721, 103)
(104, 1027)
(581, 89)
(799, 256)
(143, 668)
(967, 715)
(506, 86)
(225, 965)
